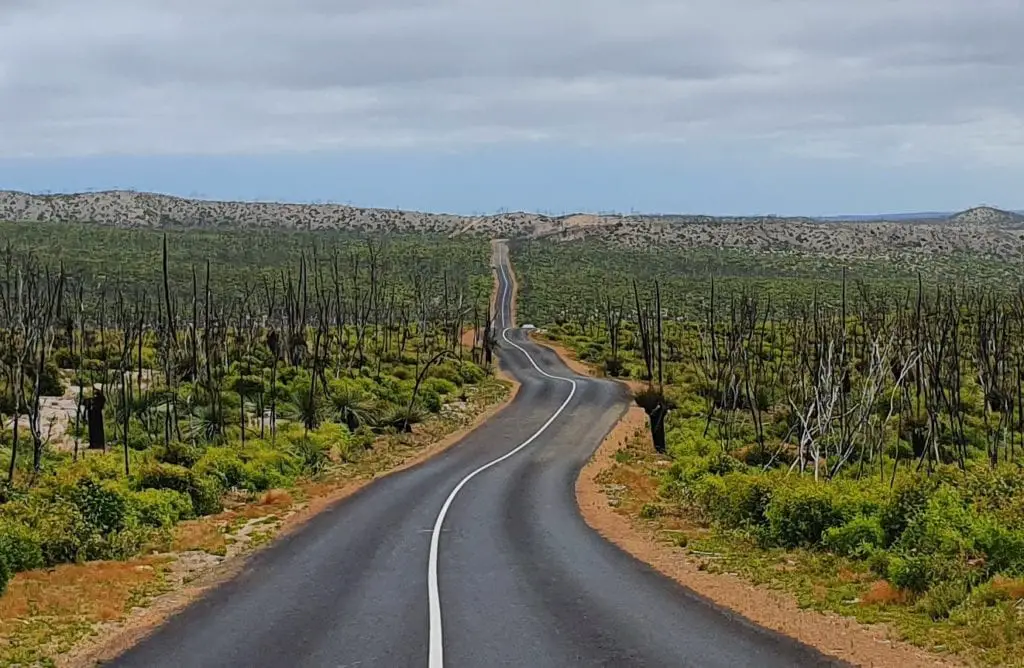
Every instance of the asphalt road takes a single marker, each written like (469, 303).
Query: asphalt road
(476, 558)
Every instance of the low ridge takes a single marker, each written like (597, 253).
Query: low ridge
(1002, 234)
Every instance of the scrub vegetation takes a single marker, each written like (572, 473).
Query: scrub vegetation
(147, 379)
(852, 433)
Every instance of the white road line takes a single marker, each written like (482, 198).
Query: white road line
(436, 635)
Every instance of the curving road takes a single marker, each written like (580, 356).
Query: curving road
(476, 558)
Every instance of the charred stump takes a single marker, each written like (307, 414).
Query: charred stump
(94, 416)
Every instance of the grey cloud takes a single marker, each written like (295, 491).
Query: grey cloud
(801, 76)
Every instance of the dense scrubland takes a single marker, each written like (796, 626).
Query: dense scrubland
(231, 363)
(852, 433)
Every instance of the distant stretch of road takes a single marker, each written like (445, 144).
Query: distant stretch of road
(476, 558)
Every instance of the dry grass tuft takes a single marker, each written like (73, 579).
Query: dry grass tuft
(883, 593)
(96, 591)
(277, 497)
(1009, 587)
(201, 535)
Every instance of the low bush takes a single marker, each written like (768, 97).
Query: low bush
(943, 526)
(450, 371)
(858, 538)
(740, 501)
(160, 508)
(182, 454)
(312, 454)
(941, 599)
(439, 386)
(1002, 548)
(430, 400)
(20, 548)
(64, 535)
(223, 465)
(103, 505)
(204, 492)
(268, 469)
(799, 514)
(908, 499)
(913, 573)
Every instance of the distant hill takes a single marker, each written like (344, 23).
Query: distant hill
(981, 230)
(986, 215)
(919, 216)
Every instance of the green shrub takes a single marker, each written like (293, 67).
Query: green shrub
(430, 400)
(858, 538)
(138, 438)
(20, 548)
(470, 373)
(363, 438)
(223, 465)
(448, 371)
(942, 527)
(102, 505)
(913, 573)
(312, 455)
(119, 545)
(941, 599)
(906, 503)
(798, 516)
(160, 508)
(204, 492)
(1002, 548)
(50, 384)
(709, 496)
(878, 561)
(268, 469)
(64, 534)
(182, 454)
(721, 463)
(738, 500)
(440, 386)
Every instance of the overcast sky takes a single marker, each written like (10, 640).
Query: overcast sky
(789, 106)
